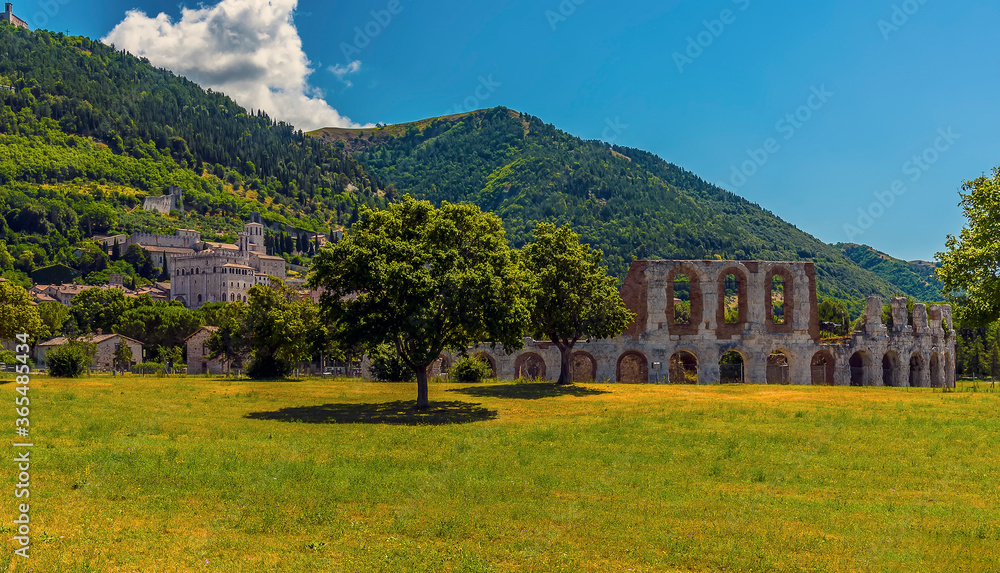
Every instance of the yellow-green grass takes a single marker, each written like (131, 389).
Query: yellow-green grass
(209, 474)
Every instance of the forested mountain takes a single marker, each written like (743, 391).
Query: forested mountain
(87, 131)
(628, 202)
(915, 278)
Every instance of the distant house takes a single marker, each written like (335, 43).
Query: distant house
(106, 346)
(198, 359)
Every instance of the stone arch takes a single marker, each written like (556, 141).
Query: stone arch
(529, 365)
(632, 368)
(916, 370)
(859, 363)
(683, 368)
(724, 329)
(778, 364)
(697, 310)
(822, 369)
(584, 367)
(489, 360)
(732, 367)
(935, 371)
(890, 369)
(788, 300)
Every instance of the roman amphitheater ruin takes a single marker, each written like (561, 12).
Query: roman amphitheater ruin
(705, 322)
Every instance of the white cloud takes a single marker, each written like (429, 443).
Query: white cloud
(342, 71)
(248, 49)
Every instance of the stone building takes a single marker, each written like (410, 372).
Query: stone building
(198, 359)
(8, 16)
(223, 274)
(106, 346)
(706, 322)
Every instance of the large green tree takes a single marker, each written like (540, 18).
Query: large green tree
(424, 280)
(17, 315)
(99, 308)
(970, 268)
(573, 298)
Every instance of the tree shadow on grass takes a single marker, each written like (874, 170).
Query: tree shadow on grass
(528, 391)
(399, 413)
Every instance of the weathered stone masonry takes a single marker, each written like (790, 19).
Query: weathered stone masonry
(658, 347)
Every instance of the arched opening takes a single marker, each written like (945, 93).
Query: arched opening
(777, 368)
(199, 298)
(682, 299)
(858, 362)
(584, 367)
(489, 360)
(890, 368)
(777, 299)
(731, 299)
(529, 365)
(949, 371)
(732, 368)
(683, 368)
(916, 370)
(632, 368)
(935, 371)
(822, 369)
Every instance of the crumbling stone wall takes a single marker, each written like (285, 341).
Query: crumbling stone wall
(881, 356)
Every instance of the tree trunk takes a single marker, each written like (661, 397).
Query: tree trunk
(566, 362)
(422, 403)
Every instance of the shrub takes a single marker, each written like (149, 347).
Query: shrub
(470, 369)
(71, 359)
(387, 366)
(268, 367)
(149, 368)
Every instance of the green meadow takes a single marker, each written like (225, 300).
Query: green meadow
(213, 474)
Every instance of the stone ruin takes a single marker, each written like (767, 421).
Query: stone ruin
(706, 322)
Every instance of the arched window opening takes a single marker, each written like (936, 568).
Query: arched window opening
(857, 363)
(732, 299)
(777, 368)
(916, 370)
(889, 369)
(683, 368)
(584, 367)
(682, 299)
(731, 368)
(633, 369)
(821, 369)
(778, 299)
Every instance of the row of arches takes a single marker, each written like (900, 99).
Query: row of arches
(683, 368)
(685, 309)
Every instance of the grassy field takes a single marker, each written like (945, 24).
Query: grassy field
(208, 474)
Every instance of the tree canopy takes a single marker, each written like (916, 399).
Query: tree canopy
(572, 295)
(424, 280)
(970, 268)
(19, 316)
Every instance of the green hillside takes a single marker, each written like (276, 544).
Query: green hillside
(915, 278)
(628, 202)
(87, 131)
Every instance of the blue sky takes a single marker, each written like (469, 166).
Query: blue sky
(855, 121)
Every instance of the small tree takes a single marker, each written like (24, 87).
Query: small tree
(573, 296)
(71, 359)
(123, 356)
